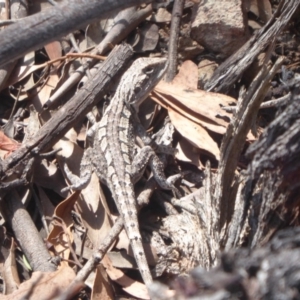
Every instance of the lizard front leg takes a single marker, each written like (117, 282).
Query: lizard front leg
(87, 165)
(86, 169)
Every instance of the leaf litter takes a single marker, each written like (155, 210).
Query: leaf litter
(82, 220)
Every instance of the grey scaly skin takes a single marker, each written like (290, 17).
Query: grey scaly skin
(111, 155)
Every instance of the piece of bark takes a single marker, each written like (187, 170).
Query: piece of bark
(234, 140)
(267, 197)
(35, 31)
(232, 69)
(74, 110)
(271, 272)
(272, 189)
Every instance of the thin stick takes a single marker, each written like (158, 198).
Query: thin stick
(276, 102)
(94, 260)
(173, 45)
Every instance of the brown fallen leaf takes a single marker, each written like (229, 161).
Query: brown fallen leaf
(43, 285)
(47, 206)
(199, 106)
(194, 133)
(10, 272)
(129, 285)
(188, 154)
(92, 204)
(22, 89)
(54, 51)
(206, 69)
(187, 75)
(20, 72)
(57, 236)
(46, 91)
(8, 144)
(102, 288)
(49, 176)
(148, 38)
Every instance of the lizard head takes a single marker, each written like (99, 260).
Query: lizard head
(141, 78)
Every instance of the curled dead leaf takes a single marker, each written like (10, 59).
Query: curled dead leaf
(129, 285)
(45, 285)
(10, 272)
(194, 133)
(187, 75)
(186, 153)
(92, 203)
(8, 144)
(199, 106)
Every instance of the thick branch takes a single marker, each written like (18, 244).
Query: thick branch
(42, 28)
(75, 109)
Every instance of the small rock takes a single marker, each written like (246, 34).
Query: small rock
(220, 26)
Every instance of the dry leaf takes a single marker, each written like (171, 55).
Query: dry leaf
(21, 72)
(194, 133)
(27, 83)
(129, 285)
(43, 285)
(148, 38)
(54, 51)
(102, 289)
(187, 153)
(123, 243)
(10, 272)
(187, 75)
(199, 106)
(254, 25)
(47, 89)
(161, 16)
(206, 69)
(92, 205)
(57, 237)
(8, 144)
(94, 34)
(33, 124)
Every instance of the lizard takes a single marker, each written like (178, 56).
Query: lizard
(112, 149)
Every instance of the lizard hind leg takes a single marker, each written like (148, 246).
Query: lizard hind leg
(140, 162)
(148, 156)
(157, 168)
(86, 168)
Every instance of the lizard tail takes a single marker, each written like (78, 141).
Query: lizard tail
(126, 205)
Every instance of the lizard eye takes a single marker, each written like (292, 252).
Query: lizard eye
(149, 70)
(137, 89)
